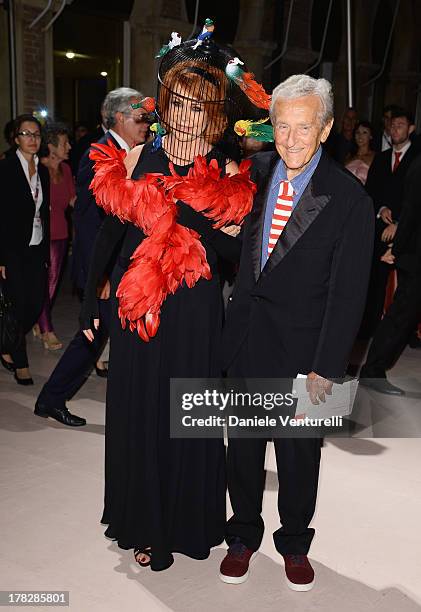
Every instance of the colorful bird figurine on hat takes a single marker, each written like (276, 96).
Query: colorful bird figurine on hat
(206, 32)
(174, 42)
(245, 81)
(254, 129)
(148, 104)
(159, 132)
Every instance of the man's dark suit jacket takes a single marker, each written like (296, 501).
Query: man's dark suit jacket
(407, 241)
(18, 209)
(386, 187)
(87, 217)
(301, 313)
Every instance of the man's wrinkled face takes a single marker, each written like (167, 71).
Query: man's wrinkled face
(299, 131)
(133, 124)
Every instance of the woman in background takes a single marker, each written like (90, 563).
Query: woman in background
(24, 235)
(360, 163)
(62, 195)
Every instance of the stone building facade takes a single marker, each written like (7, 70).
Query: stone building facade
(260, 28)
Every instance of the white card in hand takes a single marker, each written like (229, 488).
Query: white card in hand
(338, 404)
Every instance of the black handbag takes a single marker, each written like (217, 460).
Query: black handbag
(10, 329)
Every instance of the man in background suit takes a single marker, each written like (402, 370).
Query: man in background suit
(401, 317)
(126, 128)
(296, 308)
(383, 139)
(385, 184)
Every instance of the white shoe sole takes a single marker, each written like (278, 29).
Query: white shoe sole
(237, 579)
(299, 587)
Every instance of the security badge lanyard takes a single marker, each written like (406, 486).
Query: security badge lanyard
(37, 218)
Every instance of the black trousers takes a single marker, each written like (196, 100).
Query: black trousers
(76, 363)
(298, 461)
(26, 277)
(397, 325)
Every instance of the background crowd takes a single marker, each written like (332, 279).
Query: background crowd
(35, 241)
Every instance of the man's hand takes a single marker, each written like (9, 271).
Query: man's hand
(317, 387)
(231, 230)
(103, 292)
(388, 257)
(386, 215)
(3, 272)
(389, 232)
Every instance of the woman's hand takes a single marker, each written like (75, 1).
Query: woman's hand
(89, 333)
(3, 272)
(89, 312)
(231, 230)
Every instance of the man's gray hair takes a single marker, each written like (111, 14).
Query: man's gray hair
(299, 85)
(117, 101)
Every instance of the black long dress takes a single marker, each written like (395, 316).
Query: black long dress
(160, 492)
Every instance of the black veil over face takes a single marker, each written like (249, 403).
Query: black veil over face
(197, 104)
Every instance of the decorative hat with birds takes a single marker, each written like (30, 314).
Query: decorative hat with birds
(205, 72)
(203, 92)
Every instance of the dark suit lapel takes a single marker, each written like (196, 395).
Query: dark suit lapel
(107, 136)
(257, 215)
(406, 161)
(388, 164)
(306, 211)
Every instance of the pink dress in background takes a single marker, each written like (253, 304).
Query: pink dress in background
(359, 169)
(60, 195)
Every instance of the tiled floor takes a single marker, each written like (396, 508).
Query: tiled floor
(365, 551)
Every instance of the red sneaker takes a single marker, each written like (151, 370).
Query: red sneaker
(299, 573)
(235, 567)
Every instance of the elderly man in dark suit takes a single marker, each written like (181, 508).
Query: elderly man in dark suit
(296, 308)
(126, 128)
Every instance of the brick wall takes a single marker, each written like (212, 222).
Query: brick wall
(33, 52)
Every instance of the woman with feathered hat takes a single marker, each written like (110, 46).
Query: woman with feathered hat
(175, 206)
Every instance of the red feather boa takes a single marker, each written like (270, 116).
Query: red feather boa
(171, 254)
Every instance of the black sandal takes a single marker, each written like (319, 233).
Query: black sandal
(146, 550)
